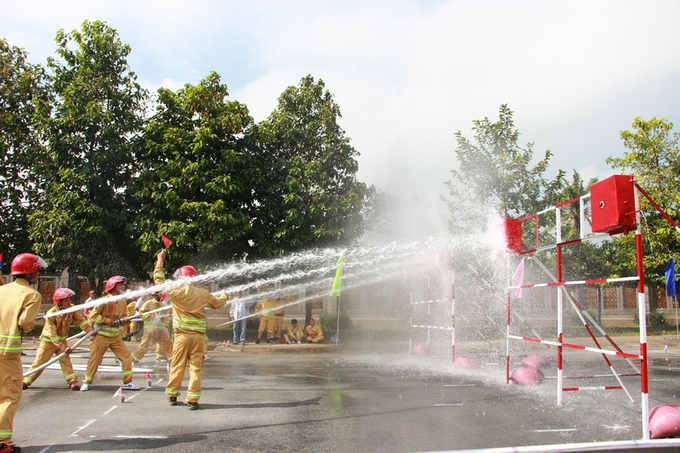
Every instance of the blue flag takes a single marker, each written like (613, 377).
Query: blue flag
(670, 278)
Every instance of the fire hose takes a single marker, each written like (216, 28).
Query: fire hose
(84, 337)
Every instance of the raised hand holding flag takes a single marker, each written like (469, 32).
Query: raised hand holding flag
(166, 241)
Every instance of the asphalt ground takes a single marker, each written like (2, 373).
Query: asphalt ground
(353, 398)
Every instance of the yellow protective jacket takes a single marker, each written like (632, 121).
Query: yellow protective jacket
(188, 303)
(19, 305)
(266, 305)
(295, 332)
(56, 328)
(279, 311)
(314, 330)
(130, 308)
(105, 313)
(154, 321)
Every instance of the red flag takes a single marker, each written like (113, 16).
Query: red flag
(518, 280)
(147, 375)
(118, 392)
(166, 241)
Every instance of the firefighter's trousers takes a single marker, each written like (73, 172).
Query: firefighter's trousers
(152, 337)
(45, 352)
(100, 345)
(188, 348)
(10, 393)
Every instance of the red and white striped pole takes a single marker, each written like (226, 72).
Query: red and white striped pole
(560, 327)
(507, 324)
(643, 320)
(453, 317)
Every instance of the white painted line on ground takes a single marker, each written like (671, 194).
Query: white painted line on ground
(46, 448)
(75, 433)
(109, 411)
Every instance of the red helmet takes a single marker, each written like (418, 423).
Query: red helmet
(185, 271)
(26, 263)
(62, 293)
(113, 281)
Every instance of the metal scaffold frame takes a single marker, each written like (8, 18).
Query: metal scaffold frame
(428, 326)
(560, 284)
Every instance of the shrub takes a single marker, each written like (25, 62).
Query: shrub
(329, 322)
(654, 319)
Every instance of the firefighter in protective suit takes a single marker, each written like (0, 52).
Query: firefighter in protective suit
(154, 329)
(110, 336)
(294, 334)
(53, 338)
(190, 323)
(266, 307)
(19, 307)
(314, 332)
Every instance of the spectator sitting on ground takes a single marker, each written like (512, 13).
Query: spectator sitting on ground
(294, 334)
(314, 332)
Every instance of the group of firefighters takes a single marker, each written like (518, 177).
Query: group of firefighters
(19, 307)
(105, 323)
(271, 321)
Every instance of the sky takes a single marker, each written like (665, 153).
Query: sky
(407, 74)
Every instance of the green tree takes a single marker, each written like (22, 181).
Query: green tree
(23, 101)
(654, 161)
(308, 192)
(98, 110)
(194, 182)
(496, 171)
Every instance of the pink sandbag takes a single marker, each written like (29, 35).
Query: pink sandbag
(527, 375)
(421, 349)
(538, 361)
(664, 421)
(462, 362)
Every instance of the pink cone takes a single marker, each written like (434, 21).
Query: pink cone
(527, 375)
(664, 421)
(463, 362)
(538, 361)
(421, 349)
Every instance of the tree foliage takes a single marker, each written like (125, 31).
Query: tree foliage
(193, 181)
(24, 99)
(93, 178)
(653, 160)
(98, 109)
(496, 171)
(308, 191)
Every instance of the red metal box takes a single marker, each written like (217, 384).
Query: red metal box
(612, 205)
(513, 235)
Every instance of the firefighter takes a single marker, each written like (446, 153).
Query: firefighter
(314, 332)
(53, 338)
(278, 318)
(154, 329)
(108, 316)
(190, 323)
(19, 307)
(294, 334)
(266, 319)
(135, 328)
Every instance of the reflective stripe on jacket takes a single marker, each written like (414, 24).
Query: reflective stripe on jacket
(19, 305)
(56, 328)
(188, 303)
(104, 314)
